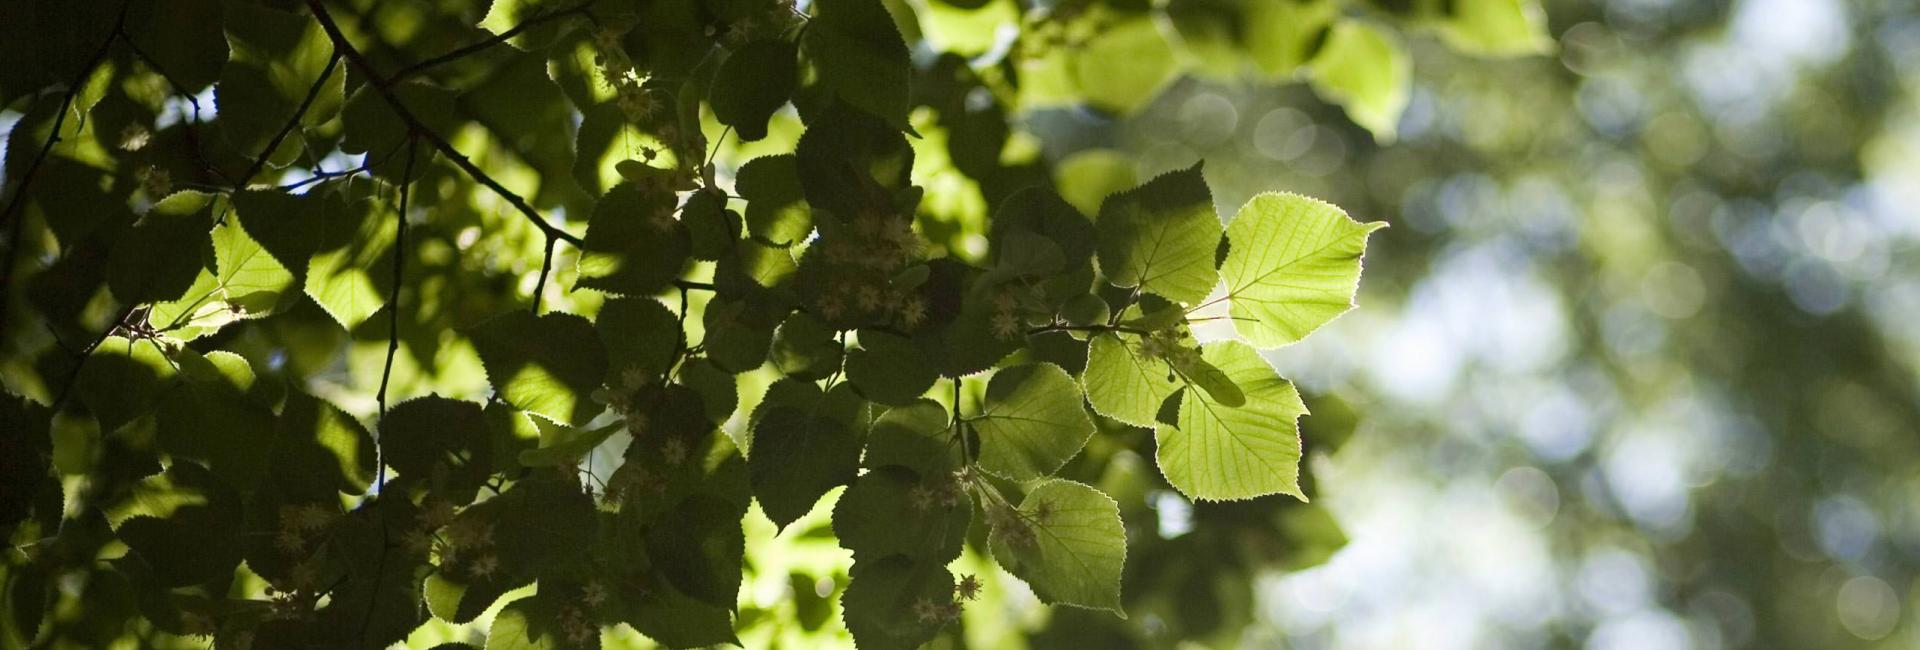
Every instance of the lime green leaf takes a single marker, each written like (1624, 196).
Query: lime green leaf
(544, 364)
(1067, 542)
(634, 246)
(160, 256)
(1294, 266)
(1282, 35)
(1495, 27)
(1108, 83)
(884, 598)
(888, 368)
(1088, 177)
(1125, 384)
(1195, 369)
(1364, 69)
(797, 457)
(753, 83)
(1216, 452)
(859, 56)
(509, 15)
(249, 284)
(891, 512)
(1033, 421)
(354, 241)
(1161, 237)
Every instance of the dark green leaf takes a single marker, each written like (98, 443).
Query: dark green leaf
(754, 82)
(544, 364)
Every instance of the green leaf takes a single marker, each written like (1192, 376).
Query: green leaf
(711, 228)
(888, 368)
(184, 37)
(1498, 28)
(1125, 384)
(1067, 542)
(805, 348)
(917, 436)
(346, 273)
(1088, 177)
(797, 457)
(777, 210)
(634, 246)
(1032, 423)
(209, 418)
(195, 543)
(510, 15)
(1125, 65)
(24, 462)
(122, 379)
(859, 57)
(567, 444)
(291, 227)
(158, 258)
(1161, 237)
(371, 126)
(1039, 211)
(882, 597)
(1294, 266)
(276, 57)
(735, 341)
(1364, 69)
(544, 364)
(249, 284)
(1282, 35)
(889, 511)
(440, 443)
(719, 393)
(641, 336)
(1198, 372)
(1216, 452)
(754, 82)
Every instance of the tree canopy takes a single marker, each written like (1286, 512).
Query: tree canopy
(524, 323)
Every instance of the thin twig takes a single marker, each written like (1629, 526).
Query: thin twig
(393, 312)
(420, 129)
(463, 52)
(80, 360)
(546, 266)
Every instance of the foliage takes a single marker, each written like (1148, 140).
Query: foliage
(818, 304)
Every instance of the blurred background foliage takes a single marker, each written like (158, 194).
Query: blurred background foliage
(1634, 368)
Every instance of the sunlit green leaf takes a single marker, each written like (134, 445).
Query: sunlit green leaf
(1216, 452)
(1066, 541)
(1032, 422)
(1294, 266)
(1161, 237)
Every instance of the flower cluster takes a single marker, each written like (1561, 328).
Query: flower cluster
(873, 247)
(944, 493)
(932, 613)
(300, 525)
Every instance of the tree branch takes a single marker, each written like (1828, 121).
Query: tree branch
(546, 266)
(537, 19)
(1089, 328)
(80, 360)
(420, 129)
